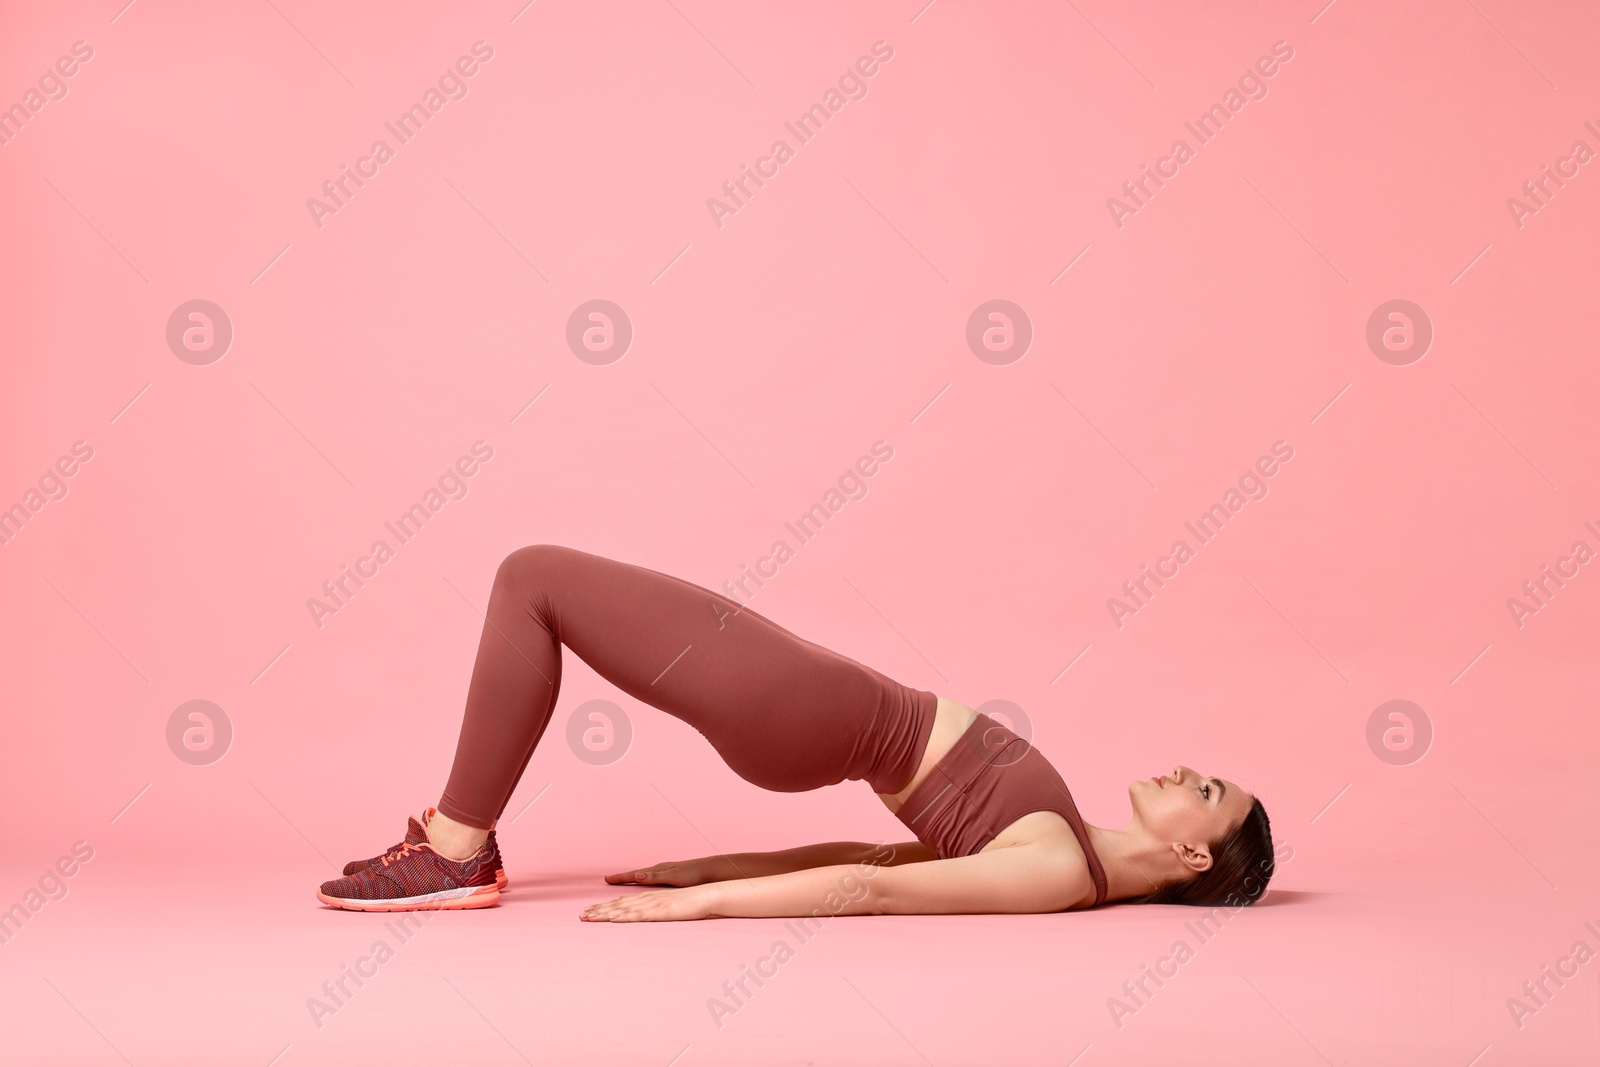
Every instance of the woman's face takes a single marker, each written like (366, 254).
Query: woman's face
(1187, 807)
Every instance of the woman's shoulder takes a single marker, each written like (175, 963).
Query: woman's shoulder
(1053, 848)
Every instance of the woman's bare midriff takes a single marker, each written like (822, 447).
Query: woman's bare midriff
(950, 721)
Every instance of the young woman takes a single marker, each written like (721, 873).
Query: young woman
(996, 828)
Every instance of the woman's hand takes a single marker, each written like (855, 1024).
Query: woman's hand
(676, 873)
(652, 906)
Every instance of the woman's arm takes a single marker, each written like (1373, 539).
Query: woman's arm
(1022, 878)
(763, 864)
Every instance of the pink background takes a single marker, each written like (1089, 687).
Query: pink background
(768, 354)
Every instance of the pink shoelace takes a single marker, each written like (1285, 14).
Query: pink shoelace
(399, 853)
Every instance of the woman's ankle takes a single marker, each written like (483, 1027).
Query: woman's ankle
(454, 840)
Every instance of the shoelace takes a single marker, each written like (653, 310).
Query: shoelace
(397, 854)
(389, 853)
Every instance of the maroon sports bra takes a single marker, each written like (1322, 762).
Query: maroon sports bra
(990, 779)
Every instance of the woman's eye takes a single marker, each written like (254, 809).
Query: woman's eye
(1205, 790)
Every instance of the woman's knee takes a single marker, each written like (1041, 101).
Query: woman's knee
(528, 564)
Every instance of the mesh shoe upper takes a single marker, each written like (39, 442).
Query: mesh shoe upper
(412, 870)
(416, 834)
(494, 847)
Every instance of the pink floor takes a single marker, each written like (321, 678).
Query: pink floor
(1395, 933)
(1380, 271)
(1330, 971)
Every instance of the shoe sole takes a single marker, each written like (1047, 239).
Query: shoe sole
(483, 896)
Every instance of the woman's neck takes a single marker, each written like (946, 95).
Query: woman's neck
(1134, 864)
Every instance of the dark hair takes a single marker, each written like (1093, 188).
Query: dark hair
(1241, 865)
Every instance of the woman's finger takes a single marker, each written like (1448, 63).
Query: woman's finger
(654, 905)
(597, 912)
(642, 876)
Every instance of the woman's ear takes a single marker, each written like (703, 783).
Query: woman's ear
(1195, 857)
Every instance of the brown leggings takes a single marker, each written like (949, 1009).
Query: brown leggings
(783, 713)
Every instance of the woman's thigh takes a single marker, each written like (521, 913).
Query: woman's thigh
(783, 712)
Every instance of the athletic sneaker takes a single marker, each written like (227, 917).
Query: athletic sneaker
(413, 877)
(416, 834)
